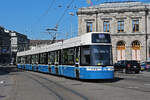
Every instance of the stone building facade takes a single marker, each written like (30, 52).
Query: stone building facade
(5, 46)
(10, 43)
(127, 22)
(19, 42)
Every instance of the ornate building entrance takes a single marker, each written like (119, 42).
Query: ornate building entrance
(136, 50)
(121, 50)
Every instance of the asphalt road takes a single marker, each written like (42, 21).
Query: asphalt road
(25, 85)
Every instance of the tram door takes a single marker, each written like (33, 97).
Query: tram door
(120, 51)
(77, 61)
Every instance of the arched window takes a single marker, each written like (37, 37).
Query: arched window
(136, 50)
(121, 50)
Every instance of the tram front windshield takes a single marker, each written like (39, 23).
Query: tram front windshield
(96, 55)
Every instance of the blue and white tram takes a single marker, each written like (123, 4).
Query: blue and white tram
(84, 57)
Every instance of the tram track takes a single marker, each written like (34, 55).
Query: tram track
(46, 87)
(135, 84)
(134, 88)
(60, 91)
(133, 77)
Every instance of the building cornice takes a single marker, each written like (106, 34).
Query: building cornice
(131, 34)
(115, 10)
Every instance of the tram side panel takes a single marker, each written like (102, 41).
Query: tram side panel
(69, 71)
(96, 73)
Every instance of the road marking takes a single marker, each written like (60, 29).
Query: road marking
(147, 84)
(132, 87)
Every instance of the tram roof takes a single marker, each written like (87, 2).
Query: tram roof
(69, 43)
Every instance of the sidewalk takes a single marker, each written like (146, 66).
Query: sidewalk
(6, 85)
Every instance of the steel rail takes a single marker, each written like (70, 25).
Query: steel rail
(61, 86)
(46, 87)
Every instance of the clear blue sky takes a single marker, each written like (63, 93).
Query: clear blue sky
(33, 17)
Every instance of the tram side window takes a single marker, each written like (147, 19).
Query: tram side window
(18, 59)
(51, 58)
(28, 59)
(57, 56)
(36, 59)
(85, 55)
(71, 56)
(33, 59)
(23, 60)
(68, 56)
(65, 57)
(43, 58)
(48, 57)
(60, 57)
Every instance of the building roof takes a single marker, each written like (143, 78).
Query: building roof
(11, 33)
(120, 4)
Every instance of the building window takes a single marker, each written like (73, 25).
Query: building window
(106, 26)
(89, 26)
(120, 26)
(135, 25)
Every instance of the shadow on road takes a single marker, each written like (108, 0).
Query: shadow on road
(116, 79)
